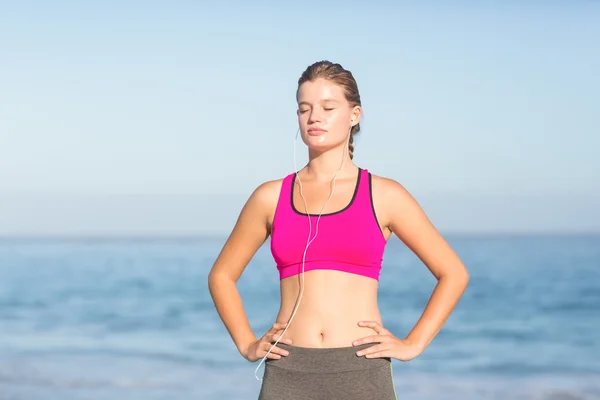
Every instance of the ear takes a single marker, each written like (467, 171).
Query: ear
(355, 115)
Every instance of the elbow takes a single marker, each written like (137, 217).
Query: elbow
(213, 280)
(459, 276)
(463, 274)
(466, 278)
(217, 280)
(462, 278)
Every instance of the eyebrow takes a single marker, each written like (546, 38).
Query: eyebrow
(322, 101)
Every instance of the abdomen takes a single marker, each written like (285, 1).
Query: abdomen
(332, 304)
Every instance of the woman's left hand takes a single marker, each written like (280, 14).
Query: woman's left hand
(388, 344)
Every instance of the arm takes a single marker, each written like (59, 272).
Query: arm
(249, 233)
(409, 223)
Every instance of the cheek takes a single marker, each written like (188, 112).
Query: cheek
(339, 122)
(336, 118)
(303, 118)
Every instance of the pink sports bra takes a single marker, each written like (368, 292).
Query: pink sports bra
(348, 240)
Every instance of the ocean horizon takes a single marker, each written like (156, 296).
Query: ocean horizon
(129, 316)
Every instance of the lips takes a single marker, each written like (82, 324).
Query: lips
(316, 131)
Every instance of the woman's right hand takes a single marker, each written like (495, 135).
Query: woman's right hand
(258, 349)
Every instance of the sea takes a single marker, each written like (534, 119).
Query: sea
(131, 318)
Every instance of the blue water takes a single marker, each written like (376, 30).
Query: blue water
(132, 319)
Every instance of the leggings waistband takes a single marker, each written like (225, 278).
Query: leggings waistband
(324, 360)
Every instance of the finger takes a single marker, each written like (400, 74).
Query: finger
(272, 356)
(277, 350)
(380, 354)
(280, 334)
(274, 328)
(376, 326)
(371, 339)
(275, 338)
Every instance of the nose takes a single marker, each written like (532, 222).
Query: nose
(314, 116)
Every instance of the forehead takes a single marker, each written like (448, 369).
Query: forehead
(320, 90)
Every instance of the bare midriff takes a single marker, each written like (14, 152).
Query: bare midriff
(332, 304)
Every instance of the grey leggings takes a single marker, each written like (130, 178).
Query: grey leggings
(327, 374)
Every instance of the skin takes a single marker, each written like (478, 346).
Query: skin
(338, 309)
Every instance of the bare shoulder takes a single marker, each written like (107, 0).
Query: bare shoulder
(265, 198)
(388, 187)
(251, 230)
(397, 209)
(391, 197)
(267, 192)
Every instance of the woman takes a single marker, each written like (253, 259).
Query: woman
(328, 340)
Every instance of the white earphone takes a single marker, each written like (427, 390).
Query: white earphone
(309, 240)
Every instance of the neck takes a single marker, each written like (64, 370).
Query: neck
(323, 166)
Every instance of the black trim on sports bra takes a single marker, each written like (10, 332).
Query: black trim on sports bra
(331, 213)
(373, 204)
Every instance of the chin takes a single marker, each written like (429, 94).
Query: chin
(321, 143)
(319, 146)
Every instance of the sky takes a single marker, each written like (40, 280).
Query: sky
(131, 117)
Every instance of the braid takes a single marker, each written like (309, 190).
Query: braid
(355, 129)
